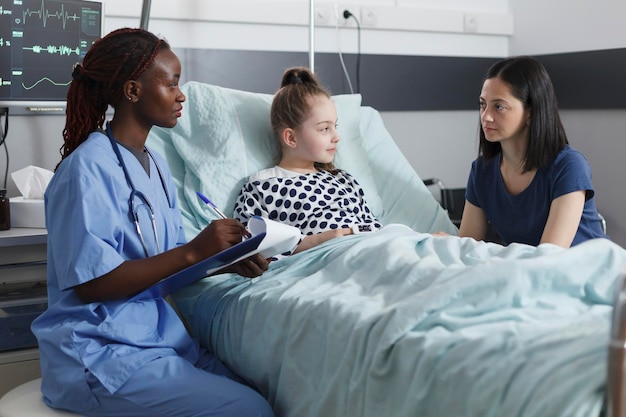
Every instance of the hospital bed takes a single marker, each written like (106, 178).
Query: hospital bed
(398, 322)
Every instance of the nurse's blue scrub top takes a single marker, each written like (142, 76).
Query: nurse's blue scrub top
(90, 233)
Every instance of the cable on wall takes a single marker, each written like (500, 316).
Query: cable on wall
(346, 15)
(343, 64)
(4, 131)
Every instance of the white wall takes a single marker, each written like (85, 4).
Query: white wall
(409, 27)
(439, 144)
(554, 26)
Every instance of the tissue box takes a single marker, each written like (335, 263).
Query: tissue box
(27, 213)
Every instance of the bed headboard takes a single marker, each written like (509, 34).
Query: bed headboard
(225, 135)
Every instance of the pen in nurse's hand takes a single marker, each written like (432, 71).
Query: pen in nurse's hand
(217, 211)
(210, 203)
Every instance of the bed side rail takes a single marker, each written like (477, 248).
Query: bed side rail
(616, 373)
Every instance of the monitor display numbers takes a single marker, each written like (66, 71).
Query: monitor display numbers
(40, 41)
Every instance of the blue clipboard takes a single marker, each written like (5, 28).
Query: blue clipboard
(269, 238)
(202, 269)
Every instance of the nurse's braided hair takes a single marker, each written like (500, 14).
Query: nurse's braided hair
(122, 55)
(291, 105)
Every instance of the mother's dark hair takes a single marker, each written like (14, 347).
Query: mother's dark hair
(530, 83)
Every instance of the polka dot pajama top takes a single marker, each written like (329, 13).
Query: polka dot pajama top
(311, 202)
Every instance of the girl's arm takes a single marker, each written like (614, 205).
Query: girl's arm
(563, 219)
(473, 223)
(313, 240)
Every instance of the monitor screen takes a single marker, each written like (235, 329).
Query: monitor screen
(40, 41)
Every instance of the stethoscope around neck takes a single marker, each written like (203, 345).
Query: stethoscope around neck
(135, 193)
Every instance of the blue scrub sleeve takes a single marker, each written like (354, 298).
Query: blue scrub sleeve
(84, 224)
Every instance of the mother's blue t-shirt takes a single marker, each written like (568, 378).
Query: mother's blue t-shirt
(521, 218)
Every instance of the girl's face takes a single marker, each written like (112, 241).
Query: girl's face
(161, 99)
(503, 117)
(316, 140)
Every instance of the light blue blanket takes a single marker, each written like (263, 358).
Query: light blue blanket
(396, 323)
(400, 323)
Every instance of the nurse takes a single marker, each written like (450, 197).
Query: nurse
(114, 229)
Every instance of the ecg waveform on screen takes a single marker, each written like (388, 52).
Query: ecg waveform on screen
(30, 87)
(51, 49)
(45, 14)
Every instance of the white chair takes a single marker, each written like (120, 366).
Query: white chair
(26, 401)
(603, 220)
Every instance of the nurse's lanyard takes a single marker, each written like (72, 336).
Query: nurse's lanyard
(134, 216)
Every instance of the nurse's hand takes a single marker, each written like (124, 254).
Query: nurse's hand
(136, 275)
(222, 234)
(217, 236)
(250, 267)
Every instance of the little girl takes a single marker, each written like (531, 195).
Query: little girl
(305, 189)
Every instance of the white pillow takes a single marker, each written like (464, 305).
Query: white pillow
(224, 136)
(351, 154)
